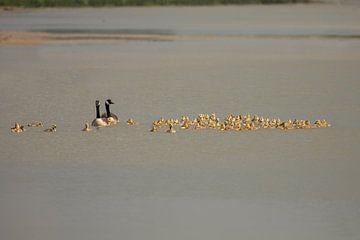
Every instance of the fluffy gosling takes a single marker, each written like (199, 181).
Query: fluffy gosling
(130, 122)
(51, 129)
(18, 128)
(87, 128)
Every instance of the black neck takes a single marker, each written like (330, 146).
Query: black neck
(97, 111)
(108, 113)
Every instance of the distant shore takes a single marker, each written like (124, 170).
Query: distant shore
(7, 4)
(43, 37)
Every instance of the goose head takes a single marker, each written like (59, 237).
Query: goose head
(108, 102)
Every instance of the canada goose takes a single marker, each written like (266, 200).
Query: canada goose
(18, 128)
(111, 118)
(98, 121)
(51, 129)
(35, 124)
(87, 128)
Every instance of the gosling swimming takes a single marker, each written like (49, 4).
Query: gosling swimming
(171, 129)
(35, 124)
(18, 128)
(130, 121)
(99, 121)
(87, 128)
(51, 129)
(154, 128)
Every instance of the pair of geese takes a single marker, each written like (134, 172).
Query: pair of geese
(105, 119)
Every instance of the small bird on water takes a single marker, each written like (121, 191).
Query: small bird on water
(35, 124)
(51, 129)
(87, 128)
(130, 121)
(18, 128)
(171, 129)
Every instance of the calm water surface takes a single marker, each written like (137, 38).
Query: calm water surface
(127, 183)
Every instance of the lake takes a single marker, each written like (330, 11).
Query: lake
(125, 182)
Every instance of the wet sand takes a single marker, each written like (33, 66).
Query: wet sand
(126, 182)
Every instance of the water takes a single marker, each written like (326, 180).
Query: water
(128, 183)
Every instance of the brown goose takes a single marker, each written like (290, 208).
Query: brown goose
(111, 118)
(99, 121)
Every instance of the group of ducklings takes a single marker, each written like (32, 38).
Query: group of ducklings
(104, 120)
(234, 122)
(18, 128)
(203, 121)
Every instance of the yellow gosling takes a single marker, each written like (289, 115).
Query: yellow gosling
(185, 125)
(321, 123)
(35, 124)
(282, 125)
(87, 128)
(51, 129)
(273, 123)
(130, 121)
(154, 128)
(250, 126)
(18, 128)
(286, 125)
(111, 121)
(307, 124)
(171, 129)
(277, 122)
(237, 127)
(266, 124)
(289, 124)
(325, 123)
(184, 118)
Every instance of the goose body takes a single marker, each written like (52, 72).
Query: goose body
(99, 121)
(111, 118)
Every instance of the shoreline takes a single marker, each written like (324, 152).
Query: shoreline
(45, 37)
(152, 3)
(19, 9)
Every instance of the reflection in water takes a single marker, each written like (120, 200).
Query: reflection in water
(107, 31)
